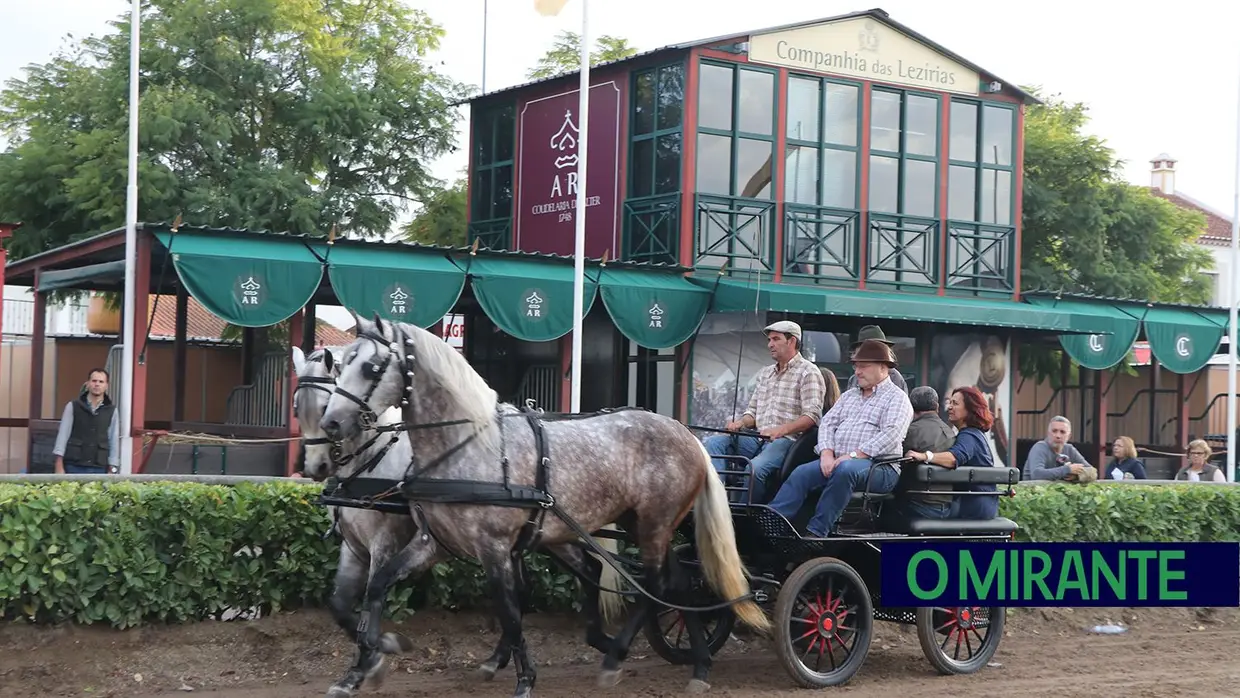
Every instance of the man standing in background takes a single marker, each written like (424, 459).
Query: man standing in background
(88, 439)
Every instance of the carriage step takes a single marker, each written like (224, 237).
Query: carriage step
(868, 534)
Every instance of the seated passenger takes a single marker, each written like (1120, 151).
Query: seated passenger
(1053, 458)
(926, 433)
(876, 332)
(868, 420)
(968, 412)
(786, 402)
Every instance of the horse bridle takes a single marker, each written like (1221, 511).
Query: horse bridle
(375, 369)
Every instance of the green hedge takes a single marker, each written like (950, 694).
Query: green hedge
(125, 553)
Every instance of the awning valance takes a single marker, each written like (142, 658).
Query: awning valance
(1113, 329)
(1184, 339)
(246, 280)
(737, 296)
(402, 285)
(530, 300)
(654, 309)
(56, 279)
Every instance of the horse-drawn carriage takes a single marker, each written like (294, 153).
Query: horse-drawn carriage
(489, 481)
(825, 593)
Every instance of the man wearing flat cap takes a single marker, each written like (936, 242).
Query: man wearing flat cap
(786, 402)
(876, 332)
(869, 420)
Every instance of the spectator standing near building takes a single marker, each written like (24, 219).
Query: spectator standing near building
(88, 440)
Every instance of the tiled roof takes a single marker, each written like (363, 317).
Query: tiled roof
(1218, 226)
(202, 325)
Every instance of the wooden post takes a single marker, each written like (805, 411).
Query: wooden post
(38, 335)
(1100, 419)
(180, 360)
(295, 329)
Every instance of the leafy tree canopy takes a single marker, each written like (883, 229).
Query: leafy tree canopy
(565, 54)
(441, 220)
(278, 114)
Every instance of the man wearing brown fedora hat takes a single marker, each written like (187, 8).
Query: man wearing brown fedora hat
(786, 401)
(869, 420)
(876, 332)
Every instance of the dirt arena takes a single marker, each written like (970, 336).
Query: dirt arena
(1046, 652)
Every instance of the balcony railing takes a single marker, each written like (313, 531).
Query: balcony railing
(67, 319)
(652, 228)
(822, 243)
(495, 234)
(735, 230)
(981, 257)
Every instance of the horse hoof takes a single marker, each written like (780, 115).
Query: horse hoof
(608, 678)
(697, 686)
(487, 671)
(394, 643)
(339, 692)
(376, 674)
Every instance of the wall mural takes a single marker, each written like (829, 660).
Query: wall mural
(982, 361)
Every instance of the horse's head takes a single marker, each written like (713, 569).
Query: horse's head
(316, 379)
(373, 378)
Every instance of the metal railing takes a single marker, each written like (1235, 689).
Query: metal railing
(263, 402)
(70, 318)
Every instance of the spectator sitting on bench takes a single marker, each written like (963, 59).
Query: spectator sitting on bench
(868, 421)
(926, 433)
(1199, 469)
(1125, 465)
(968, 411)
(1053, 458)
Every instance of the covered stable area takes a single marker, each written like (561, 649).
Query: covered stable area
(680, 342)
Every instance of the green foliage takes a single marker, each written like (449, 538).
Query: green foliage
(565, 54)
(1114, 512)
(277, 114)
(441, 220)
(127, 554)
(1086, 230)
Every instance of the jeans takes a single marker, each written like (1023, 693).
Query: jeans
(765, 458)
(976, 507)
(78, 469)
(921, 509)
(849, 476)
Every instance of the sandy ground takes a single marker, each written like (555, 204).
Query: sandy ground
(1046, 652)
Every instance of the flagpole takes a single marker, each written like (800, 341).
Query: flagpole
(131, 251)
(484, 46)
(579, 250)
(1232, 300)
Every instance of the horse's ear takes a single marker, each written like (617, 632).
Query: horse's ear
(299, 359)
(328, 359)
(379, 324)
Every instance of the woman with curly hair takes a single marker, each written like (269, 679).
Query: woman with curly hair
(968, 411)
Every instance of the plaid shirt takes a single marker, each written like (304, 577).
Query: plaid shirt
(781, 398)
(875, 425)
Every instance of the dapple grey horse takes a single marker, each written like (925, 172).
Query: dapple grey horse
(371, 538)
(639, 469)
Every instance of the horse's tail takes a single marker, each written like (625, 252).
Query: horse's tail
(716, 544)
(610, 604)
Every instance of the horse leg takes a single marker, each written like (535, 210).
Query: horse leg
(654, 553)
(414, 558)
(503, 653)
(699, 648)
(351, 576)
(502, 570)
(590, 570)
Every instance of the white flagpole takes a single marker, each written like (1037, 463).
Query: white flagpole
(1232, 300)
(484, 46)
(579, 250)
(131, 250)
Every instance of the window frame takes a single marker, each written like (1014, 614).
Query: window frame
(821, 145)
(734, 134)
(979, 166)
(488, 119)
(902, 156)
(655, 133)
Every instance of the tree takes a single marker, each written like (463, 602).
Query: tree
(1086, 230)
(441, 220)
(273, 114)
(565, 54)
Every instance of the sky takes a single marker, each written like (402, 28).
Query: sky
(1158, 77)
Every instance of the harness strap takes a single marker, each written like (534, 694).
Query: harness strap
(531, 532)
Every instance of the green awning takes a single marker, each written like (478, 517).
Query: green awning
(1114, 329)
(735, 296)
(1183, 339)
(75, 278)
(530, 300)
(245, 280)
(654, 309)
(400, 284)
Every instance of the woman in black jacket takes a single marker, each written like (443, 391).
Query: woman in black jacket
(1125, 465)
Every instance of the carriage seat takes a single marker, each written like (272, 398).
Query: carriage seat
(802, 452)
(917, 479)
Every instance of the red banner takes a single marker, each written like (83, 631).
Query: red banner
(547, 173)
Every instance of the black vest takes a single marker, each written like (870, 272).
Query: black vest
(89, 439)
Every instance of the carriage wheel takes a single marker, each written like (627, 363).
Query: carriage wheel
(960, 640)
(667, 633)
(824, 621)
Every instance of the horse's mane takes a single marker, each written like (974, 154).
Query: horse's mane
(454, 374)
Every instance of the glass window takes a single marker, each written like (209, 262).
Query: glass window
(801, 175)
(964, 132)
(919, 190)
(671, 96)
(842, 114)
(667, 164)
(491, 180)
(714, 164)
(997, 135)
(640, 167)
(961, 193)
(885, 121)
(643, 103)
(658, 100)
(884, 184)
(756, 103)
(839, 182)
(753, 168)
(996, 197)
(804, 98)
(922, 126)
(715, 97)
